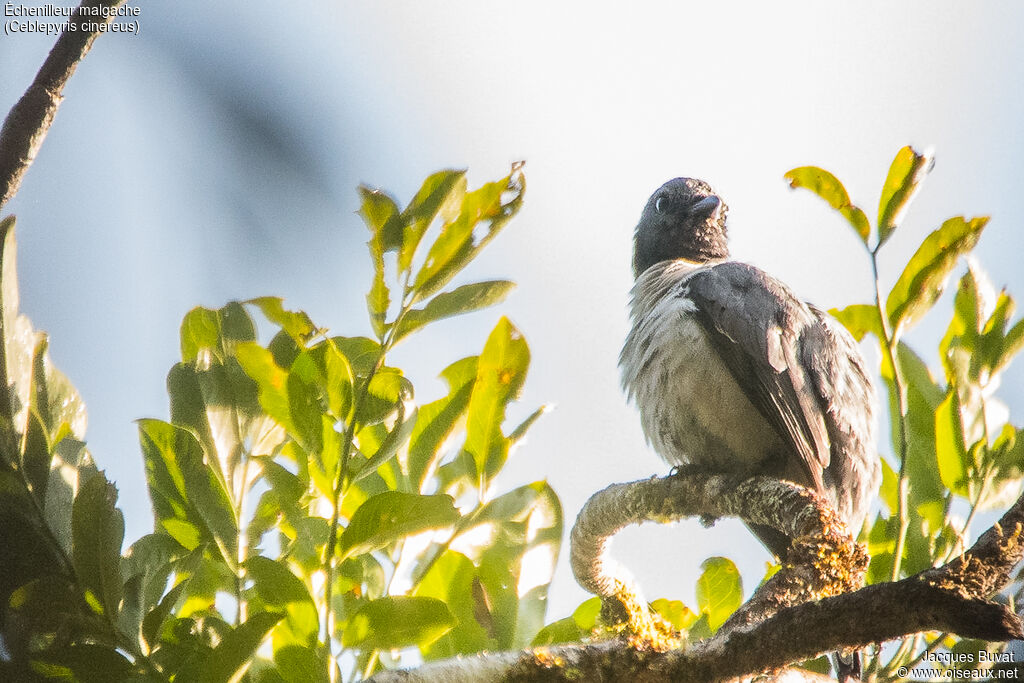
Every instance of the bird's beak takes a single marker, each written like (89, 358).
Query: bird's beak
(707, 207)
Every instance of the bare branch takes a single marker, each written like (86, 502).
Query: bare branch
(28, 121)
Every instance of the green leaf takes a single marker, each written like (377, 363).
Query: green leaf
(228, 662)
(296, 324)
(828, 187)
(185, 490)
(155, 618)
(501, 371)
(923, 398)
(563, 630)
(306, 411)
(381, 215)
(97, 534)
(451, 579)
(200, 329)
(889, 491)
(361, 352)
(925, 275)
(437, 420)
(907, 171)
(272, 381)
(675, 613)
(338, 377)
(397, 438)
(859, 319)
(82, 663)
(279, 590)
(519, 433)
(387, 389)
(398, 621)
(389, 516)
(719, 590)
(458, 244)
(8, 329)
(464, 299)
(378, 299)
(950, 449)
(441, 194)
(299, 665)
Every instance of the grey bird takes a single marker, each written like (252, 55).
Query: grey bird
(731, 372)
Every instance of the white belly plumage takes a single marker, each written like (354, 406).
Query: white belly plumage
(691, 409)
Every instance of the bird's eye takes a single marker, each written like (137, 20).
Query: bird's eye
(660, 204)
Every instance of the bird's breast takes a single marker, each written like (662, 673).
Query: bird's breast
(691, 408)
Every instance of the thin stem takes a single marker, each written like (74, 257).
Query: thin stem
(932, 647)
(242, 542)
(342, 481)
(890, 346)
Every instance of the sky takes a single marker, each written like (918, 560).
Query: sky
(215, 157)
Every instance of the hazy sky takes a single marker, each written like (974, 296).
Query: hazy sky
(215, 157)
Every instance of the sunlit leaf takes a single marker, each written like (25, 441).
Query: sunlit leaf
(184, 490)
(279, 590)
(464, 299)
(859, 319)
(389, 516)
(97, 534)
(441, 195)
(451, 580)
(272, 381)
(435, 422)
(925, 275)
(458, 243)
(227, 662)
(361, 352)
(299, 665)
(381, 215)
(719, 590)
(200, 329)
(923, 398)
(398, 621)
(950, 449)
(907, 171)
(675, 613)
(395, 440)
(501, 371)
(295, 323)
(828, 187)
(386, 390)
(888, 493)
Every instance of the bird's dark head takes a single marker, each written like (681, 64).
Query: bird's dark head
(683, 219)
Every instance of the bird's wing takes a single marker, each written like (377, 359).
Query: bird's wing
(756, 324)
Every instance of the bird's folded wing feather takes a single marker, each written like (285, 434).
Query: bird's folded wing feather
(756, 323)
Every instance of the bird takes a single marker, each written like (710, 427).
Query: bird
(733, 373)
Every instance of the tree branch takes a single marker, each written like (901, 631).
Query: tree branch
(796, 617)
(29, 120)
